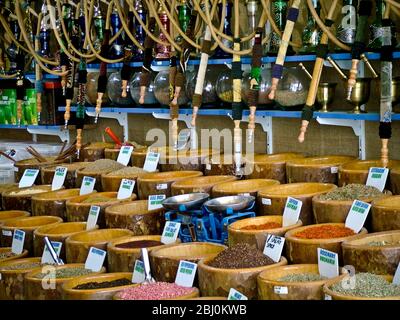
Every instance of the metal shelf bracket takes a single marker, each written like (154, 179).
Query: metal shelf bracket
(60, 132)
(121, 117)
(187, 118)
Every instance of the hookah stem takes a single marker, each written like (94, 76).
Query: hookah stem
(173, 108)
(322, 54)
(145, 77)
(102, 80)
(360, 43)
(80, 111)
(38, 80)
(126, 70)
(277, 69)
(20, 85)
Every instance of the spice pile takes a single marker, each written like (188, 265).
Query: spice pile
(241, 255)
(103, 166)
(289, 98)
(155, 291)
(368, 285)
(126, 171)
(301, 277)
(325, 232)
(383, 243)
(103, 285)
(5, 255)
(21, 266)
(351, 191)
(27, 192)
(66, 273)
(139, 244)
(97, 199)
(265, 226)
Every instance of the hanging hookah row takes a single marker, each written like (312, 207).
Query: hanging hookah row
(83, 35)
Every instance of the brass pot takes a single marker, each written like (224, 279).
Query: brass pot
(360, 93)
(326, 94)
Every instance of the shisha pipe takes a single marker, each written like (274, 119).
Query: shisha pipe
(20, 85)
(322, 53)
(173, 108)
(38, 73)
(277, 69)
(126, 70)
(80, 110)
(102, 80)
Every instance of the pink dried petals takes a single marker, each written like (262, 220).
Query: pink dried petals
(155, 291)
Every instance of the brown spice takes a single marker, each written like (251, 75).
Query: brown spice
(139, 244)
(265, 226)
(102, 285)
(97, 199)
(325, 232)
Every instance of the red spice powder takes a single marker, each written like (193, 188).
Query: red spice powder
(325, 232)
(265, 226)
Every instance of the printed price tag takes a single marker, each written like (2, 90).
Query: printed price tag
(328, 263)
(266, 201)
(28, 178)
(245, 194)
(291, 213)
(208, 166)
(59, 178)
(18, 242)
(7, 233)
(236, 295)
(280, 290)
(170, 232)
(92, 217)
(95, 259)
(328, 297)
(155, 201)
(87, 185)
(125, 189)
(357, 215)
(138, 272)
(334, 169)
(151, 162)
(186, 273)
(273, 247)
(46, 256)
(125, 155)
(161, 186)
(396, 278)
(377, 177)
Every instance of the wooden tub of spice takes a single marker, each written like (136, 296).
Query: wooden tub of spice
(242, 187)
(95, 170)
(136, 217)
(377, 253)
(254, 230)
(222, 165)
(78, 208)
(357, 171)
(385, 214)
(198, 184)
(160, 182)
(12, 214)
(272, 200)
(27, 224)
(236, 267)
(294, 282)
(165, 260)
(21, 198)
(70, 178)
(315, 169)
(46, 283)
(78, 245)
(192, 160)
(59, 232)
(335, 205)
(13, 277)
(95, 151)
(138, 157)
(111, 181)
(3, 188)
(269, 166)
(302, 243)
(6, 254)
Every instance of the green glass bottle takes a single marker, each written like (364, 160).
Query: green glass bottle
(279, 11)
(183, 17)
(311, 34)
(346, 30)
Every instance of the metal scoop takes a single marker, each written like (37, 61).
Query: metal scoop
(53, 253)
(146, 262)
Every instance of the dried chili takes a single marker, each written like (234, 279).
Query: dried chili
(325, 232)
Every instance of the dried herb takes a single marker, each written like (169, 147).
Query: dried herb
(351, 191)
(98, 199)
(301, 277)
(383, 243)
(126, 171)
(5, 255)
(65, 273)
(103, 166)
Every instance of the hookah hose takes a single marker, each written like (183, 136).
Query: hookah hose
(126, 70)
(80, 111)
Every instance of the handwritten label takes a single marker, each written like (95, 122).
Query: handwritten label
(28, 178)
(291, 213)
(266, 201)
(186, 273)
(92, 217)
(95, 259)
(125, 155)
(46, 256)
(281, 290)
(161, 186)
(87, 185)
(125, 189)
(334, 169)
(155, 201)
(170, 232)
(18, 242)
(236, 295)
(138, 275)
(59, 178)
(273, 247)
(357, 215)
(151, 162)
(377, 177)
(328, 263)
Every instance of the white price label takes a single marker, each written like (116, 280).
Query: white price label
(125, 155)
(377, 177)
(273, 247)
(87, 185)
(334, 169)
(28, 178)
(245, 194)
(151, 162)
(18, 242)
(46, 256)
(291, 213)
(170, 232)
(208, 166)
(357, 215)
(155, 201)
(7, 233)
(93, 216)
(328, 263)
(59, 178)
(280, 290)
(138, 275)
(95, 259)
(125, 189)
(266, 201)
(327, 297)
(161, 186)
(186, 273)
(396, 278)
(236, 295)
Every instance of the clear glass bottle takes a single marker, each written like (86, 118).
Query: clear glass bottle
(163, 52)
(227, 29)
(279, 11)
(311, 35)
(253, 16)
(346, 30)
(140, 34)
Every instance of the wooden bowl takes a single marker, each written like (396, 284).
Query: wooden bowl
(136, 217)
(385, 214)
(78, 211)
(12, 281)
(69, 293)
(17, 256)
(373, 259)
(52, 203)
(242, 187)
(394, 175)
(112, 154)
(193, 160)
(269, 166)
(315, 169)
(190, 296)
(308, 290)
(218, 281)
(305, 250)
(199, 184)
(165, 260)
(27, 224)
(138, 157)
(95, 151)
(357, 171)
(272, 200)
(222, 165)
(160, 182)
(70, 178)
(236, 234)
(78, 245)
(338, 296)
(112, 182)
(6, 187)
(59, 232)
(12, 214)
(22, 201)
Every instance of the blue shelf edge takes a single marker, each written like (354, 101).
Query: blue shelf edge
(14, 126)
